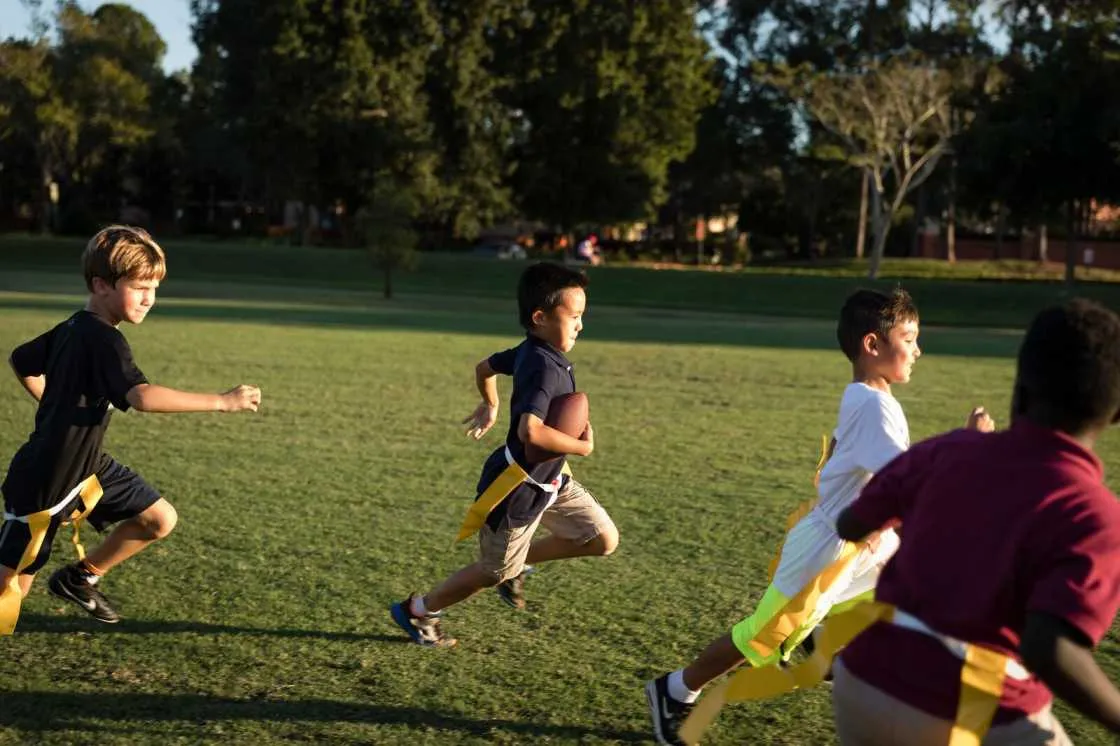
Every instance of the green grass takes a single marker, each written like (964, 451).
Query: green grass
(262, 619)
(965, 295)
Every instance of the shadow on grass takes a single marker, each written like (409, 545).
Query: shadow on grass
(487, 317)
(68, 624)
(39, 712)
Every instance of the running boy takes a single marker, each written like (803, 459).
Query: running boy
(817, 570)
(78, 372)
(515, 496)
(1012, 556)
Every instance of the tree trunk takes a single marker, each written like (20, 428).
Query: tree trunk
(1001, 227)
(1043, 244)
(919, 221)
(861, 235)
(46, 207)
(880, 227)
(951, 214)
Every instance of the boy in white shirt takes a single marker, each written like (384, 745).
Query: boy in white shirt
(817, 571)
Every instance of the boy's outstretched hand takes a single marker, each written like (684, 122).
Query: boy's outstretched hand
(589, 438)
(481, 420)
(980, 420)
(241, 398)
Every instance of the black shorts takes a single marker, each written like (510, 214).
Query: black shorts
(125, 494)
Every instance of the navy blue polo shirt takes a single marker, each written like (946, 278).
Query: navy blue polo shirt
(540, 372)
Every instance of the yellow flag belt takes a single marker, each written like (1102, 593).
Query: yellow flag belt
(505, 483)
(11, 597)
(983, 672)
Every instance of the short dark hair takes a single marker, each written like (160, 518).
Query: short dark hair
(867, 311)
(542, 286)
(1068, 375)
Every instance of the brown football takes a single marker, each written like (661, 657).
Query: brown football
(568, 414)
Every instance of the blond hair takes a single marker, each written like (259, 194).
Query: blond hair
(123, 251)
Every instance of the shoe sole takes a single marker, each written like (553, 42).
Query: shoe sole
(654, 713)
(400, 616)
(61, 591)
(404, 621)
(508, 601)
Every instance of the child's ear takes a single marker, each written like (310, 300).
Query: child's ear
(538, 317)
(870, 343)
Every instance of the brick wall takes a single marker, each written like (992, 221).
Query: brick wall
(1104, 254)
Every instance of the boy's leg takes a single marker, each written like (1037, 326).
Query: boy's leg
(578, 526)
(17, 541)
(141, 517)
(131, 536)
(502, 557)
(24, 581)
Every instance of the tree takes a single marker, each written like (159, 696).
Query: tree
(322, 98)
(609, 93)
(82, 104)
(34, 112)
(893, 119)
(385, 228)
(472, 124)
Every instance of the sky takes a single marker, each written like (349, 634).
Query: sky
(172, 19)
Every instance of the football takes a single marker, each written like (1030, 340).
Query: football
(568, 414)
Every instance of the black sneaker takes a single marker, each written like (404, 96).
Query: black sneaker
(512, 592)
(71, 583)
(424, 630)
(666, 713)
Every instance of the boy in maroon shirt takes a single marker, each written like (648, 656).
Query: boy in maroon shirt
(1011, 542)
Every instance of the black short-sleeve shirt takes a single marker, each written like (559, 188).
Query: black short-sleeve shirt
(540, 372)
(89, 370)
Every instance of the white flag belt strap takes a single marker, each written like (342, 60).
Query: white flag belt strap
(551, 488)
(55, 510)
(957, 647)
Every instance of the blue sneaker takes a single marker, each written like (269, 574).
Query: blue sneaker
(425, 630)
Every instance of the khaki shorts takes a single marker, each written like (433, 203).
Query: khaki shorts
(868, 716)
(575, 515)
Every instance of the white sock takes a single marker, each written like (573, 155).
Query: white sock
(417, 608)
(678, 690)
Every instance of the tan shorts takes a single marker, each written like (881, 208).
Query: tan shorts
(575, 515)
(868, 716)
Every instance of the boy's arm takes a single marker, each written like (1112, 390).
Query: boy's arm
(33, 384)
(1060, 655)
(29, 362)
(486, 413)
(148, 397)
(886, 498)
(531, 429)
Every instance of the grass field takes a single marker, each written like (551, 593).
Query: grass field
(263, 620)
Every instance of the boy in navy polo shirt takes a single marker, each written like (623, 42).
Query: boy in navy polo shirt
(515, 496)
(79, 372)
(1010, 552)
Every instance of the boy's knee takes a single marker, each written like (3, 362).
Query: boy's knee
(491, 574)
(159, 520)
(606, 542)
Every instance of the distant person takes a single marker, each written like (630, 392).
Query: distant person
(1009, 570)
(80, 371)
(515, 496)
(588, 251)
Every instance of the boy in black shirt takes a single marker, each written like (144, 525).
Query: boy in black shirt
(514, 495)
(79, 371)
